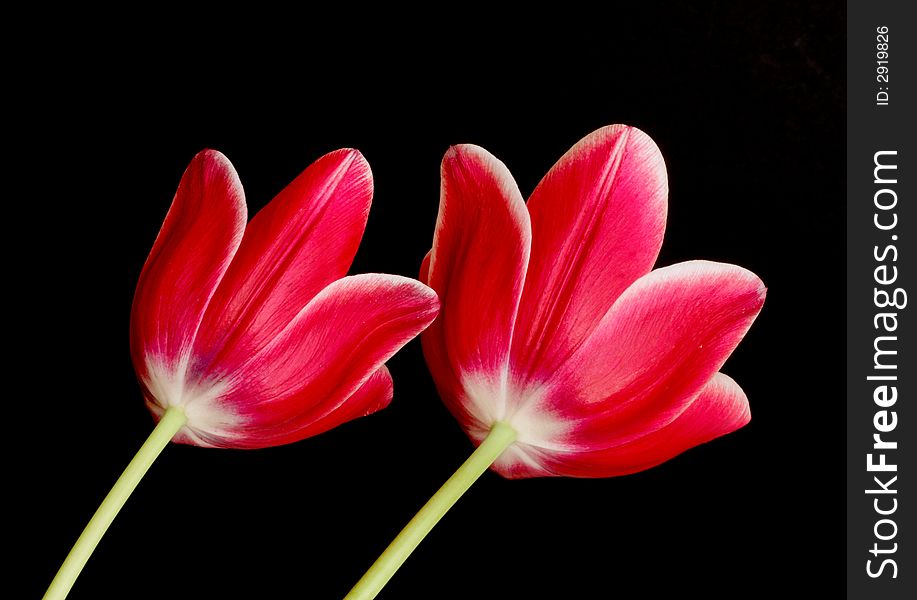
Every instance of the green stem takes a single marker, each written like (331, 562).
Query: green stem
(171, 421)
(498, 440)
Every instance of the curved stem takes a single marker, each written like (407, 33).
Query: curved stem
(498, 440)
(171, 421)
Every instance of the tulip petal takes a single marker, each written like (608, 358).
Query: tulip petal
(720, 408)
(198, 239)
(598, 219)
(477, 267)
(306, 380)
(372, 396)
(424, 276)
(663, 339)
(294, 247)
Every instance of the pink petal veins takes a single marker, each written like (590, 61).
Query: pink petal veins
(477, 266)
(294, 247)
(301, 382)
(719, 408)
(598, 219)
(192, 252)
(663, 339)
(259, 337)
(611, 368)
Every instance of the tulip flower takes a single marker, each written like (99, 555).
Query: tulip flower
(558, 349)
(247, 336)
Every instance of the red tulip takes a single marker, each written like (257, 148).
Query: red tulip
(556, 348)
(246, 336)
(553, 323)
(254, 331)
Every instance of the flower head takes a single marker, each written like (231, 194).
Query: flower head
(553, 322)
(254, 330)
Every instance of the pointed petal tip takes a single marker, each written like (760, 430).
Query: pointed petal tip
(217, 159)
(474, 153)
(726, 387)
(351, 159)
(351, 162)
(424, 291)
(346, 151)
(731, 272)
(424, 274)
(455, 155)
(427, 295)
(375, 394)
(426, 298)
(637, 140)
(210, 153)
(354, 155)
(467, 165)
(460, 149)
(616, 129)
(359, 163)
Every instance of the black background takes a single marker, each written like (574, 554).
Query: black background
(747, 105)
